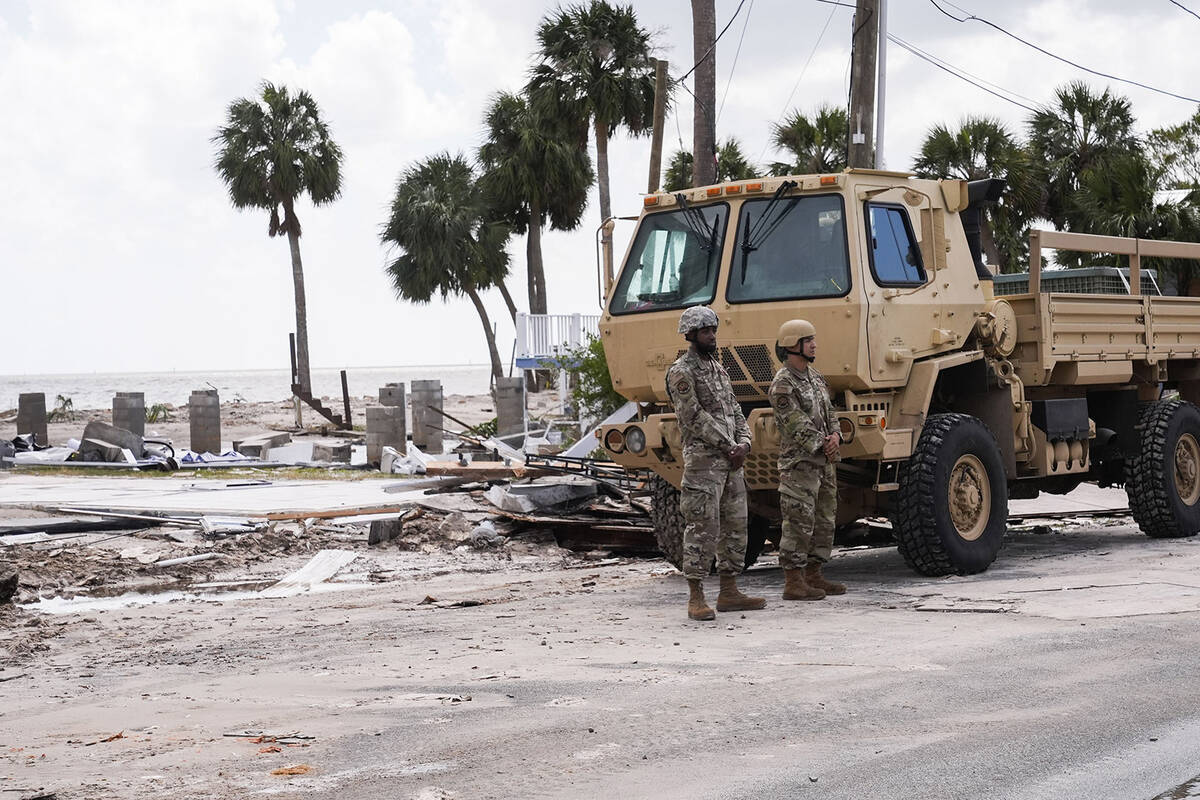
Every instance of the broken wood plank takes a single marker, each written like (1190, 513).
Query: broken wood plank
(482, 470)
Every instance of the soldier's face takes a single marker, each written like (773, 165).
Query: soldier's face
(809, 348)
(706, 339)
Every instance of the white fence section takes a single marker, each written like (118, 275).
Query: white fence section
(541, 337)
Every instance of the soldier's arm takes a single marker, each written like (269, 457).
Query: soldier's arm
(741, 430)
(691, 415)
(795, 423)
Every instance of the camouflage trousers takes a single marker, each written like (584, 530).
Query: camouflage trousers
(712, 500)
(808, 500)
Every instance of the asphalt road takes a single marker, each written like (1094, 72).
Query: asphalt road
(1066, 671)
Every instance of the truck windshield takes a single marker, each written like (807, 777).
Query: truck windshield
(800, 254)
(674, 260)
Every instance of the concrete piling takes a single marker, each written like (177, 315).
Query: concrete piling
(129, 412)
(31, 416)
(510, 408)
(386, 425)
(204, 414)
(427, 425)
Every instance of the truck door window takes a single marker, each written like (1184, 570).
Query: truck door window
(794, 255)
(674, 260)
(895, 256)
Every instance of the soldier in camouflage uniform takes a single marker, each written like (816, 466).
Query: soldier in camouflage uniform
(808, 448)
(716, 441)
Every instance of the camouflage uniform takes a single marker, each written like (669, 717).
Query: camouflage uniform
(807, 479)
(713, 495)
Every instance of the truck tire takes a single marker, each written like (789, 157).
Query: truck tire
(1162, 479)
(667, 519)
(668, 525)
(953, 500)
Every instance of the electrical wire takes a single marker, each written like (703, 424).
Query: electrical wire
(738, 52)
(1185, 8)
(960, 74)
(804, 69)
(708, 52)
(1043, 51)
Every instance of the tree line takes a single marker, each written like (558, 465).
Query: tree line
(1080, 165)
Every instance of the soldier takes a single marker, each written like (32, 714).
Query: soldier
(808, 447)
(716, 441)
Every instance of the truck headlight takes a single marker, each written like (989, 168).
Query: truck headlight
(846, 427)
(614, 441)
(635, 440)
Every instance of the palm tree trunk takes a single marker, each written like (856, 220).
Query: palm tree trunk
(302, 374)
(602, 181)
(533, 257)
(508, 301)
(473, 293)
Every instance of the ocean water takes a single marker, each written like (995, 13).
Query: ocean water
(96, 390)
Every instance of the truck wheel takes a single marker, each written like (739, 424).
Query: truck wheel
(953, 500)
(668, 525)
(1163, 478)
(668, 521)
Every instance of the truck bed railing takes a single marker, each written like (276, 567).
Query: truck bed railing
(1116, 245)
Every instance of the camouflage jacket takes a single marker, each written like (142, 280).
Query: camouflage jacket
(708, 413)
(803, 414)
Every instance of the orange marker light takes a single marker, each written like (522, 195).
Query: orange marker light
(829, 180)
(756, 186)
(651, 201)
(713, 191)
(735, 189)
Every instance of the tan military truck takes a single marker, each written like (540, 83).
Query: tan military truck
(951, 399)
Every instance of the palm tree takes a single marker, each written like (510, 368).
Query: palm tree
(1081, 131)
(1177, 148)
(732, 165)
(535, 173)
(1119, 200)
(449, 247)
(273, 149)
(982, 147)
(595, 69)
(816, 145)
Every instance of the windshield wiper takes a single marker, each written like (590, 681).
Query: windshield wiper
(749, 243)
(698, 225)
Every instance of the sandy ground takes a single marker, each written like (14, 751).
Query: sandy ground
(244, 420)
(430, 668)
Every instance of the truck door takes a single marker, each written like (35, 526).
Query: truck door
(902, 305)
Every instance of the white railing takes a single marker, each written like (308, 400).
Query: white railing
(547, 336)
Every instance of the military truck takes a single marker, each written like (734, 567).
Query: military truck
(950, 398)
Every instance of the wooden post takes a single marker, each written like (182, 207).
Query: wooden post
(346, 404)
(292, 350)
(660, 119)
(865, 48)
(704, 117)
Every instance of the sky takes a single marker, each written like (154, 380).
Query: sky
(120, 251)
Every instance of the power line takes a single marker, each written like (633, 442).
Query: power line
(958, 72)
(738, 52)
(1043, 51)
(1185, 8)
(804, 69)
(708, 52)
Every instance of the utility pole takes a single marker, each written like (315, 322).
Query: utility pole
(660, 119)
(881, 102)
(704, 118)
(865, 44)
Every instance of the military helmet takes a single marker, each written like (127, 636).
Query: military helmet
(793, 331)
(697, 317)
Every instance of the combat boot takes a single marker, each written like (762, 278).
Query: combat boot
(730, 599)
(796, 588)
(813, 576)
(697, 608)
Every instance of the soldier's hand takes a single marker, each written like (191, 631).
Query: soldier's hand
(737, 456)
(832, 442)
